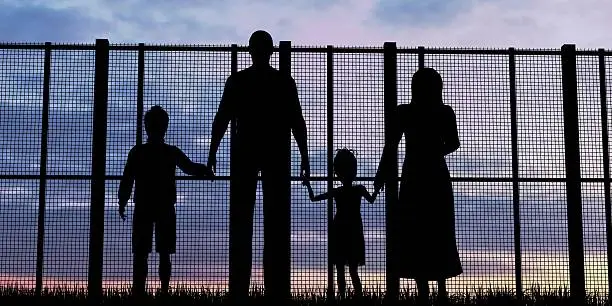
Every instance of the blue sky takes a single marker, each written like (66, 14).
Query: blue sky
(475, 86)
(460, 23)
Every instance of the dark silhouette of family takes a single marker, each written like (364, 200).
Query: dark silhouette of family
(264, 105)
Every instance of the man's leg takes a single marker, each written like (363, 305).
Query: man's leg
(276, 186)
(165, 270)
(341, 280)
(242, 201)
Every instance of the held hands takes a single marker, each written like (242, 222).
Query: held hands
(379, 184)
(122, 211)
(305, 168)
(212, 164)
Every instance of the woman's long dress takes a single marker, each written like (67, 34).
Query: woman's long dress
(426, 243)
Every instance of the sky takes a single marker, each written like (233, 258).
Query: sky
(189, 86)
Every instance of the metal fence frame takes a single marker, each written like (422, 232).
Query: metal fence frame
(390, 51)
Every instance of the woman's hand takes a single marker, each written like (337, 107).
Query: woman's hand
(379, 184)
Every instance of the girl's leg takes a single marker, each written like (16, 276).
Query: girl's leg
(341, 279)
(355, 278)
(423, 291)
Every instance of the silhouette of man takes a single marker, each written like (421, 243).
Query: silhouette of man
(265, 106)
(152, 167)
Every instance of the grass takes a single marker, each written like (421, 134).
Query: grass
(185, 296)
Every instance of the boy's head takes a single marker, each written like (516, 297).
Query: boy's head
(345, 165)
(156, 123)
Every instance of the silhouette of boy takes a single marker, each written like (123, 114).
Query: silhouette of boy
(152, 167)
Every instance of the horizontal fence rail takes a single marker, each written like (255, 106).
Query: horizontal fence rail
(531, 178)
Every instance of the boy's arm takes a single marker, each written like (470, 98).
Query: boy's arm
(127, 181)
(366, 194)
(189, 167)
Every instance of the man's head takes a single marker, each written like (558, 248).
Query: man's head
(156, 123)
(261, 47)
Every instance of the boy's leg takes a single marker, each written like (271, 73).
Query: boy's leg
(341, 280)
(165, 239)
(140, 269)
(353, 270)
(142, 239)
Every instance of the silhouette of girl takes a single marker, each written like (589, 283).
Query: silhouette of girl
(347, 241)
(425, 246)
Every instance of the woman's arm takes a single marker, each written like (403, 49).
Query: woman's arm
(450, 134)
(390, 147)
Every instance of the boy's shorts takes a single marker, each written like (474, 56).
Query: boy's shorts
(164, 222)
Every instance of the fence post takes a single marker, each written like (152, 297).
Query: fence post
(140, 93)
(572, 168)
(391, 185)
(233, 70)
(284, 63)
(98, 170)
(421, 56)
(515, 175)
(606, 161)
(42, 187)
(330, 164)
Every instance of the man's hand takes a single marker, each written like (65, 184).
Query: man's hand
(305, 181)
(122, 212)
(305, 168)
(379, 184)
(212, 164)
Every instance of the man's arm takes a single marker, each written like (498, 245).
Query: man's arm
(221, 121)
(298, 128)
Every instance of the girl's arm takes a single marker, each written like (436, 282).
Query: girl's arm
(366, 194)
(317, 198)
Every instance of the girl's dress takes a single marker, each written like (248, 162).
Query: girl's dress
(426, 242)
(348, 245)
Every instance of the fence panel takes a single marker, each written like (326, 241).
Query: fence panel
(189, 84)
(21, 91)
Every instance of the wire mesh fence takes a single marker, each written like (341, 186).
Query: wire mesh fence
(342, 96)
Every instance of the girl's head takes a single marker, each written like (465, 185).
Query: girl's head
(345, 165)
(427, 86)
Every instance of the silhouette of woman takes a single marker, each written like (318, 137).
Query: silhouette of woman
(426, 246)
